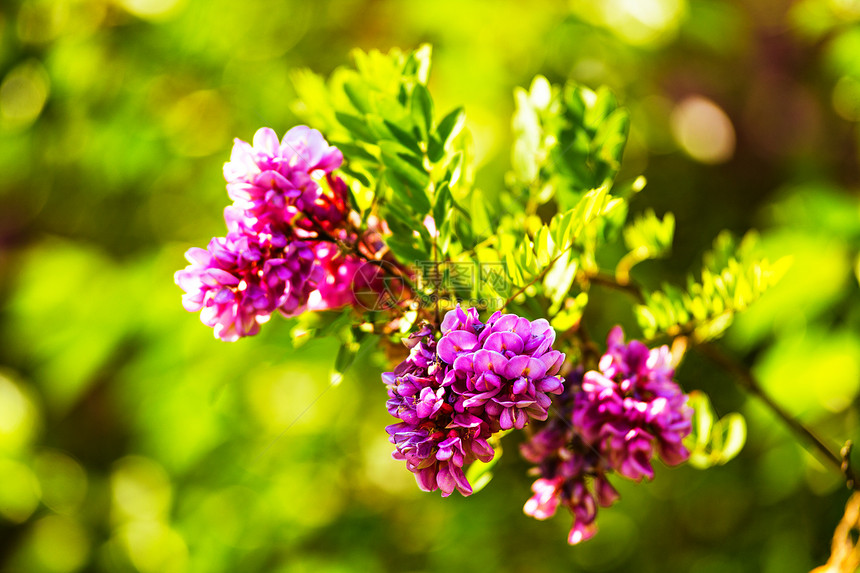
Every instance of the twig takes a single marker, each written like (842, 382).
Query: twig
(538, 277)
(609, 281)
(839, 460)
(748, 381)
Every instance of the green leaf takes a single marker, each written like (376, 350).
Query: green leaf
(479, 214)
(444, 239)
(443, 202)
(344, 359)
(734, 430)
(422, 110)
(570, 313)
(713, 442)
(423, 57)
(647, 237)
(732, 278)
(359, 175)
(404, 137)
(435, 150)
(356, 126)
(354, 151)
(513, 269)
(359, 95)
(398, 159)
(412, 195)
(406, 178)
(462, 227)
(450, 127)
(455, 170)
(559, 280)
(544, 246)
(406, 249)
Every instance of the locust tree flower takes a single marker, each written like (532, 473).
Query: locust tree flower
(506, 367)
(285, 228)
(631, 407)
(238, 281)
(613, 419)
(453, 395)
(435, 440)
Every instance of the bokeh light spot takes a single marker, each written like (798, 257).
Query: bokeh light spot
(60, 544)
(63, 481)
(23, 94)
(845, 9)
(644, 22)
(19, 494)
(40, 21)
(199, 124)
(17, 416)
(151, 9)
(154, 547)
(703, 130)
(13, 407)
(141, 489)
(846, 98)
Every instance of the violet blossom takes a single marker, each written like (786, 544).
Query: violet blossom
(608, 420)
(285, 227)
(453, 395)
(506, 367)
(238, 281)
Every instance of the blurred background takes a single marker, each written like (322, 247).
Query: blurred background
(132, 440)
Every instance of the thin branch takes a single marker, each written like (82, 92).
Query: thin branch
(538, 277)
(838, 460)
(609, 281)
(748, 381)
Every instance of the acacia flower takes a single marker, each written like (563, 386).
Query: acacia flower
(435, 441)
(238, 281)
(285, 227)
(571, 474)
(608, 420)
(506, 367)
(275, 181)
(632, 405)
(454, 394)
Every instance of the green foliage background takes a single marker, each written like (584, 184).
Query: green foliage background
(131, 440)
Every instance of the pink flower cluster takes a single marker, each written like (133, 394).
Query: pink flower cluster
(453, 395)
(613, 419)
(281, 250)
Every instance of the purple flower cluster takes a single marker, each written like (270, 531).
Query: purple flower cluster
(454, 394)
(631, 405)
(611, 420)
(288, 210)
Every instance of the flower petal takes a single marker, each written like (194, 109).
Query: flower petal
(525, 366)
(502, 341)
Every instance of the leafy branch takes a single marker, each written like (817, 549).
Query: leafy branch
(838, 460)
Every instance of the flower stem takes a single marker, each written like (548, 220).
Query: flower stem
(609, 281)
(838, 460)
(748, 381)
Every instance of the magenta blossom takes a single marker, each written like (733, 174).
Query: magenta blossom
(286, 227)
(571, 473)
(435, 441)
(273, 180)
(609, 420)
(631, 406)
(339, 272)
(454, 394)
(506, 367)
(239, 280)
